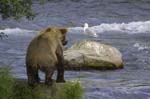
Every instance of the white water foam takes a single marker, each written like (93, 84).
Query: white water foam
(16, 31)
(141, 47)
(130, 28)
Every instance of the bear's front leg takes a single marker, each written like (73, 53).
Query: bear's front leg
(60, 65)
(60, 74)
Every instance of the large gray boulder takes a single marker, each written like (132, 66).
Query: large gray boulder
(92, 55)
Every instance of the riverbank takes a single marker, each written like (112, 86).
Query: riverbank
(11, 88)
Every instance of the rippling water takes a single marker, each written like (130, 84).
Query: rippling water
(124, 24)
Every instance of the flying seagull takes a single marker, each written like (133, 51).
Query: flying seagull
(88, 31)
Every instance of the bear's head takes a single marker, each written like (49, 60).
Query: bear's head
(59, 33)
(63, 36)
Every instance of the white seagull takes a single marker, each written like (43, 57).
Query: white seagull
(88, 31)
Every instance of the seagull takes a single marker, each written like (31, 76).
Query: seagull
(88, 31)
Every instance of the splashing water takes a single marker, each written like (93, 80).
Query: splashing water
(130, 28)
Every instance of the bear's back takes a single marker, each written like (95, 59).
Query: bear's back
(42, 48)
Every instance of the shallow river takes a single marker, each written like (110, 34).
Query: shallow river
(124, 24)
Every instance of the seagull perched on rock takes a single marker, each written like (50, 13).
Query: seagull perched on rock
(88, 31)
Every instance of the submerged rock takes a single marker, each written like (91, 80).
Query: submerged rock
(2, 34)
(92, 55)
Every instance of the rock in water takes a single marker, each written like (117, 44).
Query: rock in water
(2, 34)
(92, 55)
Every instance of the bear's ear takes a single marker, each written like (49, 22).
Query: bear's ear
(63, 31)
(48, 29)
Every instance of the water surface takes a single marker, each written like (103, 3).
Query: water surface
(124, 24)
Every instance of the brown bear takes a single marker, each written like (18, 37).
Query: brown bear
(45, 53)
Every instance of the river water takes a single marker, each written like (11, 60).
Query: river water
(124, 24)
